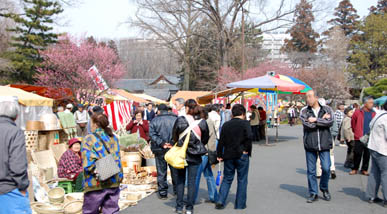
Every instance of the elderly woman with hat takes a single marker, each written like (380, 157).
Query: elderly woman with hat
(70, 164)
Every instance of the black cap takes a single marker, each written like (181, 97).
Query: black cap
(163, 107)
(97, 109)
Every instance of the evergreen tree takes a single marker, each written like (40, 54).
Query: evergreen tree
(380, 8)
(369, 51)
(112, 44)
(91, 40)
(346, 18)
(303, 42)
(32, 34)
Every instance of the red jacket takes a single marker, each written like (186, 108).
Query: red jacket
(143, 129)
(357, 123)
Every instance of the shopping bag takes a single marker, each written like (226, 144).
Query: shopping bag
(219, 177)
(176, 155)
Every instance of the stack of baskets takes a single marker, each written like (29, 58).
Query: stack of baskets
(58, 204)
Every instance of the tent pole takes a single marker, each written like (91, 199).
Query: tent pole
(267, 104)
(276, 128)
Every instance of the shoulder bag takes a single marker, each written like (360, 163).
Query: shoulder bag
(106, 167)
(365, 138)
(176, 156)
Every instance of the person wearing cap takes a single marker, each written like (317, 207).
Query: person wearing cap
(70, 164)
(13, 160)
(81, 118)
(160, 132)
(69, 108)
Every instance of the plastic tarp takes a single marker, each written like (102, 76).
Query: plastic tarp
(32, 106)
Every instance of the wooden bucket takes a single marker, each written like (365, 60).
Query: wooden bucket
(132, 159)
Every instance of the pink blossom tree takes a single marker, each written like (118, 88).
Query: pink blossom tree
(228, 74)
(66, 65)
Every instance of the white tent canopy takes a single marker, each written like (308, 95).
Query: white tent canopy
(32, 106)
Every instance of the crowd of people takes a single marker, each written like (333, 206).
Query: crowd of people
(218, 134)
(363, 130)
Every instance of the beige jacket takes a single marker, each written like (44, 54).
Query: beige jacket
(346, 132)
(378, 135)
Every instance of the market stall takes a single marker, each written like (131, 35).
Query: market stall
(151, 99)
(32, 106)
(271, 85)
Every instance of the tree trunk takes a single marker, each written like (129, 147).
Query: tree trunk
(187, 71)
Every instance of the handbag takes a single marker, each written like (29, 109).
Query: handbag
(106, 166)
(365, 138)
(212, 157)
(176, 156)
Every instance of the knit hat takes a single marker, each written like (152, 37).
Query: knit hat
(348, 109)
(73, 141)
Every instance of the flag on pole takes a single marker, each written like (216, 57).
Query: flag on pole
(97, 78)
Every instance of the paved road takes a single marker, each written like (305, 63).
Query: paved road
(278, 185)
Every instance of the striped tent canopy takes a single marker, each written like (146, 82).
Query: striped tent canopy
(291, 80)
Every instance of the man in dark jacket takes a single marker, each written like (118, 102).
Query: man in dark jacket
(234, 149)
(13, 161)
(160, 132)
(360, 124)
(317, 120)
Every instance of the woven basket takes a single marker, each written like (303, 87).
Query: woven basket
(34, 125)
(42, 208)
(31, 138)
(56, 195)
(73, 207)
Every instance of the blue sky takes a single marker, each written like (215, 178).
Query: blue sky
(106, 19)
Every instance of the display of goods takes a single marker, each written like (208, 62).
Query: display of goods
(31, 138)
(73, 207)
(147, 153)
(50, 122)
(42, 208)
(132, 160)
(56, 195)
(127, 140)
(34, 125)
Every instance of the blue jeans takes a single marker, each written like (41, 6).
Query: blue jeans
(192, 170)
(205, 168)
(311, 159)
(241, 166)
(15, 202)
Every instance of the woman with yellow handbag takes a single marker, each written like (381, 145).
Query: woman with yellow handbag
(193, 126)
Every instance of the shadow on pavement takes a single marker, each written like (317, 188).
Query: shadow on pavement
(355, 192)
(340, 166)
(301, 171)
(298, 190)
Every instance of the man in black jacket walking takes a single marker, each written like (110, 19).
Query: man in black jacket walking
(234, 149)
(317, 120)
(160, 132)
